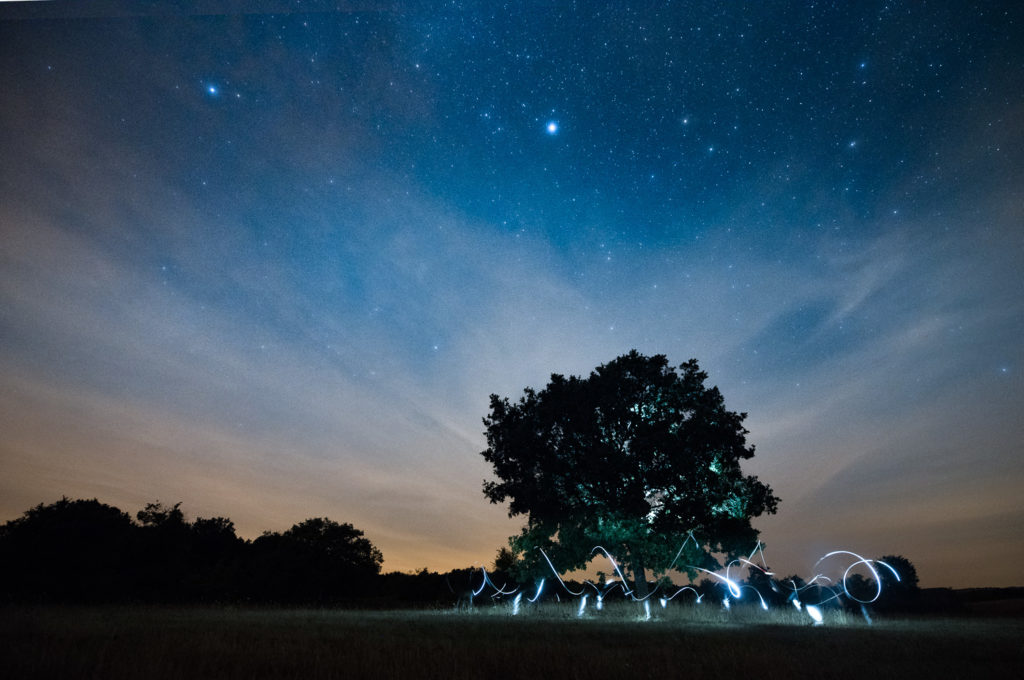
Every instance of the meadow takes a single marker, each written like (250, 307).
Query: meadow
(487, 642)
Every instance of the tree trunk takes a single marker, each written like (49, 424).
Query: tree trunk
(639, 578)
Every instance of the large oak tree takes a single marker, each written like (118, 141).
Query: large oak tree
(634, 458)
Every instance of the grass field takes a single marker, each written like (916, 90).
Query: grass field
(154, 643)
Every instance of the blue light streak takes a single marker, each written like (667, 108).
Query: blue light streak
(821, 589)
(540, 587)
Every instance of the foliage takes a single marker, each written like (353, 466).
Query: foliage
(317, 560)
(505, 560)
(340, 543)
(68, 549)
(87, 551)
(897, 594)
(636, 457)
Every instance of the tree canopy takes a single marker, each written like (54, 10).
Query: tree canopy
(636, 457)
(87, 551)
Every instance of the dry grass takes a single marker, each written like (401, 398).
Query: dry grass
(547, 642)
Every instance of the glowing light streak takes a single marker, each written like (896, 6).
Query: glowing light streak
(890, 568)
(764, 605)
(860, 560)
(615, 566)
(689, 537)
(555, 572)
(498, 591)
(482, 585)
(764, 563)
(540, 587)
(734, 588)
(750, 564)
(690, 588)
(486, 581)
(821, 589)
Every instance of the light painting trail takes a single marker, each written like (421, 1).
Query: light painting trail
(822, 589)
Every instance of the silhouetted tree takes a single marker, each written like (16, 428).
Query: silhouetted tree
(217, 557)
(342, 543)
(897, 594)
(214, 538)
(634, 458)
(505, 560)
(164, 557)
(71, 550)
(317, 560)
(158, 515)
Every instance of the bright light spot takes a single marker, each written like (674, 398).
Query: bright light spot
(583, 605)
(664, 602)
(212, 89)
(515, 604)
(647, 610)
(796, 603)
(726, 603)
(815, 614)
(552, 127)
(600, 602)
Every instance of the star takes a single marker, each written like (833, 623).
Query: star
(552, 127)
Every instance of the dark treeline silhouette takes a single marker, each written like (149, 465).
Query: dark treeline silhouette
(85, 551)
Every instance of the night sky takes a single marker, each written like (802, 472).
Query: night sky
(271, 265)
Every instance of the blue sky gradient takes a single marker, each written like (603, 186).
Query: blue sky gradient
(272, 265)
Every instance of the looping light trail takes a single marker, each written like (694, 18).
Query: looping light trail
(834, 590)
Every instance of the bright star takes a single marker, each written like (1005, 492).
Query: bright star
(552, 127)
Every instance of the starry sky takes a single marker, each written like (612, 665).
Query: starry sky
(272, 264)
